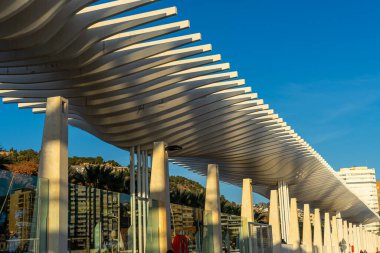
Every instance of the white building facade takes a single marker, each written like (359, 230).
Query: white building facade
(362, 181)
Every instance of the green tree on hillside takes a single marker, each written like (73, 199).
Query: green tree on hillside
(102, 177)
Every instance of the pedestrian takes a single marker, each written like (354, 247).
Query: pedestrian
(13, 242)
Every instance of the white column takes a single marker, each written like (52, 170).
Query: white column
(362, 238)
(339, 225)
(334, 235)
(274, 221)
(54, 167)
(327, 234)
(345, 241)
(159, 191)
(306, 234)
(317, 242)
(350, 237)
(294, 230)
(212, 207)
(355, 238)
(370, 241)
(368, 236)
(247, 214)
(373, 242)
(369, 246)
(358, 237)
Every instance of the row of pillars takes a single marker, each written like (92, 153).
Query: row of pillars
(159, 190)
(54, 166)
(338, 235)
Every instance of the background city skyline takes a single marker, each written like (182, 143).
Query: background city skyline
(315, 63)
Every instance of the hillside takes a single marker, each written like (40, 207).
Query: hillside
(109, 175)
(185, 184)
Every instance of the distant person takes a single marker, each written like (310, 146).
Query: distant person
(13, 242)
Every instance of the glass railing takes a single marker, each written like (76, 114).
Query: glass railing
(192, 228)
(260, 236)
(23, 212)
(100, 221)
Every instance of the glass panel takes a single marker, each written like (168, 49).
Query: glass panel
(23, 212)
(152, 227)
(261, 237)
(192, 229)
(100, 221)
(207, 243)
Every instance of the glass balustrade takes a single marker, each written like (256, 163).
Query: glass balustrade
(100, 221)
(23, 212)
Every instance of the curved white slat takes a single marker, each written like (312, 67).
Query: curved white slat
(129, 83)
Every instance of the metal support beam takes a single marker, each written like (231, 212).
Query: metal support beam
(283, 195)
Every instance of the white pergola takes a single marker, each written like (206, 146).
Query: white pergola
(132, 84)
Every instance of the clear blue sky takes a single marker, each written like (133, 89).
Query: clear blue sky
(317, 63)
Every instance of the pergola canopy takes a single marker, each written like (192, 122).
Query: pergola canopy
(129, 83)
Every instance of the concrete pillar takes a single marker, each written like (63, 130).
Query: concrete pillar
(358, 237)
(54, 166)
(317, 242)
(274, 221)
(306, 234)
(212, 208)
(367, 236)
(247, 215)
(339, 226)
(362, 238)
(350, 237)
(159, 191)
(327, 234)
(368, 244)
(294, 230)
(345, 241)
(373, 240)
(334, 235)
(355, 238)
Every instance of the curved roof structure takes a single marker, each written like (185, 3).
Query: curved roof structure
(131, 83)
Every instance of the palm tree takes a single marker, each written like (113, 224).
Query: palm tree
(102, 177)
(260, 217)
(97, 176)
(76, 177)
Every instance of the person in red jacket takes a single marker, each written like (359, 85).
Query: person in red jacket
(180, 244)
